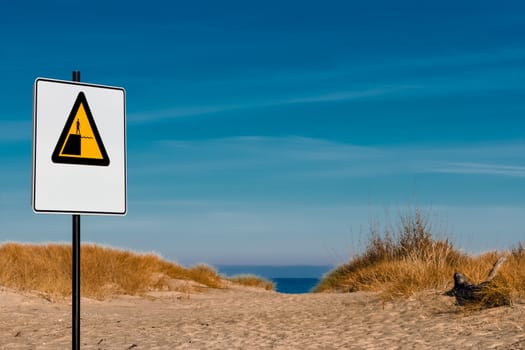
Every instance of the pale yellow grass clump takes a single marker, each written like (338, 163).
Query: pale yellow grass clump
(104, 271)
(253, 281)
(410, 259)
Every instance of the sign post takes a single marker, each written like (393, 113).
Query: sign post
(79, 159)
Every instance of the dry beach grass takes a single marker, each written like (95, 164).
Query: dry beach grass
(105, 272)
(410, 259)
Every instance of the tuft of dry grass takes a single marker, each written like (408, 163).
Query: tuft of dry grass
(410, 259)
(252, 281)
(104, 271)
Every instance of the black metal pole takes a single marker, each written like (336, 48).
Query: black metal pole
(76, 283)
(75, 302)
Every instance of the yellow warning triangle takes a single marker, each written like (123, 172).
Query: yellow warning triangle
(80, 142)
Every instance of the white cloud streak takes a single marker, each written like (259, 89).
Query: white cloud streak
(351, 95)
(309, 158)
(481, 169)
(416, 77)
(334, 96)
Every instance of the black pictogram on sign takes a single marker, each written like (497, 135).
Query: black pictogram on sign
(80, 141)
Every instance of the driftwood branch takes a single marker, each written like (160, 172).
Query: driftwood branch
(495, 268)
(467, 293)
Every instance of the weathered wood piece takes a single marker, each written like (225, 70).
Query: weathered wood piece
(467, 293)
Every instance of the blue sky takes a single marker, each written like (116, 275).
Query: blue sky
(275, 132)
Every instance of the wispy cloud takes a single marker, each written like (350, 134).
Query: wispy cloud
(178, 112)
(254, 157)
(311, 158)
(328, 96)
(481, 169)
(351, 95)
(432, 75)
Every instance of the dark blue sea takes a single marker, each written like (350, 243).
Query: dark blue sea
(288, 279)
(295, 285)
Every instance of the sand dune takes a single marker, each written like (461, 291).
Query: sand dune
(246, 318)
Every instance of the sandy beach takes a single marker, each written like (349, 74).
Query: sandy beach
(247, 318)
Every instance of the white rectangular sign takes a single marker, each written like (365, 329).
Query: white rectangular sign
(79, 148)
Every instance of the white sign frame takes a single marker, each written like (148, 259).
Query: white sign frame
(59, 188)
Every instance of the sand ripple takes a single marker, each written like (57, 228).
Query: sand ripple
(243, 318)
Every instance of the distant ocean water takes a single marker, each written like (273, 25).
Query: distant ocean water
(288, 279)
(295, 285)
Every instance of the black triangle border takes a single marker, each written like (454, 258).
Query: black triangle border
(57, 158)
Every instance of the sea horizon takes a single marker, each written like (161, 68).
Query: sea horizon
(289, 279)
